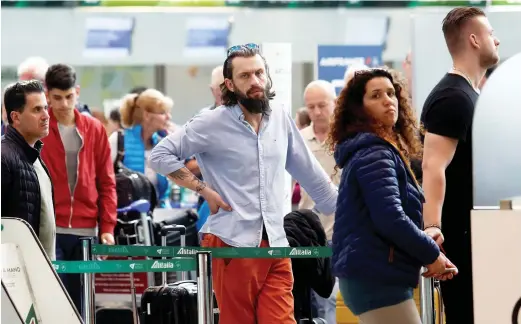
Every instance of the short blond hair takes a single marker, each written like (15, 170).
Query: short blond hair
(169, 103)
(134, 105)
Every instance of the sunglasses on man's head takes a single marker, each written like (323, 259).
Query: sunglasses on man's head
(236, 48)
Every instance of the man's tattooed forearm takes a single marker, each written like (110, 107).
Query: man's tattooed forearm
(200, 185)
(184, 174)
(181, 174)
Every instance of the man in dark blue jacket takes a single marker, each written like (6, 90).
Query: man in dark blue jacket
(27, 191)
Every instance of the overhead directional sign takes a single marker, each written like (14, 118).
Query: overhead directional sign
(296, 4)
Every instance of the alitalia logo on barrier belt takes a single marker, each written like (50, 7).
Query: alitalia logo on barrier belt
(299, 252)
(163, 265)
(185, 251)
(305, 252)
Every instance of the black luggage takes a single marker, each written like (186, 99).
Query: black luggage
(174, 303)
(123, 314)
(188, 219)
(131, 185)
(111, 315)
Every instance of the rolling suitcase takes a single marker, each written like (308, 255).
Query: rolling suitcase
(187, 219)
(116, 311)
(111, 315)
(170, 303)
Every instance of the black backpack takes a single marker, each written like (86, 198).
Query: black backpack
(131, 185)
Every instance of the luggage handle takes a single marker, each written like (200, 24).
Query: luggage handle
(164, 232)
(173, 228)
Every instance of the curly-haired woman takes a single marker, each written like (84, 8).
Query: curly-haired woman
(378, 243)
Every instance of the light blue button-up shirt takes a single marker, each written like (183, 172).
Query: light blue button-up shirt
(247, 170)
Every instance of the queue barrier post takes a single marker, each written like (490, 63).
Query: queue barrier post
(427, 300)
(204, 288)
(88, 303)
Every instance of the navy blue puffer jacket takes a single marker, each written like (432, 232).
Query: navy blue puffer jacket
(377, 234)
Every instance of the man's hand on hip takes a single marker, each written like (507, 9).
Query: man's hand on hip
(214, 200)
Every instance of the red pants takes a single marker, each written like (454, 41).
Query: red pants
(252, 291)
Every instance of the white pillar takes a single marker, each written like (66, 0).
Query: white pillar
(279, 59)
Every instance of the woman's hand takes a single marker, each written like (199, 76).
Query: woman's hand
(438, 269)
(435, 268)
(448, 274)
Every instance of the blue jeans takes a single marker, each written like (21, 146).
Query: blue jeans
(68, 248)
(325, 307)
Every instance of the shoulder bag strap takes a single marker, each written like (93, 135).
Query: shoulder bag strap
(121, 148)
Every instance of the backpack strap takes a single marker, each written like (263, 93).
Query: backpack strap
(121, 148)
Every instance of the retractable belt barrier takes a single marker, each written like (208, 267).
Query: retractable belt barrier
(184, 257)
(227, 252)
(189, 259)
(125, 266)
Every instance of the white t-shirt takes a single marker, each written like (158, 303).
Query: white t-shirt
(149, 173)
(47, 233)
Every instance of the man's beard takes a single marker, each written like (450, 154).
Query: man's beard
(254, 105)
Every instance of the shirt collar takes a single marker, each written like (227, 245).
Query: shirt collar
(237, 111)
(308, 133)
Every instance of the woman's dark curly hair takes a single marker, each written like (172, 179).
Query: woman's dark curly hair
(350, 117)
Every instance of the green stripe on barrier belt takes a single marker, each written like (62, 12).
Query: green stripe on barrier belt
(125, 266)
(160, 251)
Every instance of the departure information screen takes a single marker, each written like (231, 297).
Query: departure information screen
(254, 4)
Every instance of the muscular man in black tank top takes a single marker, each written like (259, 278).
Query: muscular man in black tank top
(447, 162)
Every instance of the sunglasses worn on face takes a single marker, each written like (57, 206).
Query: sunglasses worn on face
(236, 48)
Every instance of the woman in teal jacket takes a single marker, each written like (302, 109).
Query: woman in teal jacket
(145, 118)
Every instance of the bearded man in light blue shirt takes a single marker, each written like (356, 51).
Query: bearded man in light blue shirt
(243, 148)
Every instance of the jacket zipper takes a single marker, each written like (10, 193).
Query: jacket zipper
(408, 173)
(77, 176)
